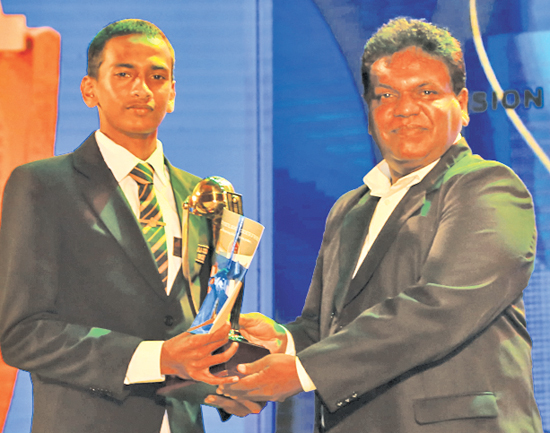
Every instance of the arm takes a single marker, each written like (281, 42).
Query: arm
(476, 267)
(40, 331)
(34, 336)
(479, 262)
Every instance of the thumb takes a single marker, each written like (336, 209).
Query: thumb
(251, 368)
(249, 319)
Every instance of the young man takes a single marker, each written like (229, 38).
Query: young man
(93, 299)
(414, 321)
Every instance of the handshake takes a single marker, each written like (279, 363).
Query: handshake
(271, 378)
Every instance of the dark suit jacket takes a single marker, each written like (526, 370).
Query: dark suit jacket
(79, 290)
(430, 336)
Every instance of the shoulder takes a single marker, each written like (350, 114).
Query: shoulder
(182, 179)
(472, 171)
(341, 207)
(347, 201)
(48, 172)
(183, 175)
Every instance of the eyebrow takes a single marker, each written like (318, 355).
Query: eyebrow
(131, 66)
(385, 86)
(124, 65)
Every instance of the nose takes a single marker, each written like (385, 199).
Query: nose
(406, 106)
(140, 89)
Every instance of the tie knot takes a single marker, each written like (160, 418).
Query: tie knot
(142, 173)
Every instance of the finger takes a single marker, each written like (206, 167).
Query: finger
(210, 379)
(241, 368)
(252, 367)
(225, 355)
(208, 360)
(236, 407)
(252, 406)
(207, 343)
(243, 387)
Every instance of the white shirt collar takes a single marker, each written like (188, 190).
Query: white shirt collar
(379, 179)
(121, 161)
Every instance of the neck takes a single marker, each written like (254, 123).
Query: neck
(139, 145)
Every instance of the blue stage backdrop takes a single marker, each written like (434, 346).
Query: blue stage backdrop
(269, 97)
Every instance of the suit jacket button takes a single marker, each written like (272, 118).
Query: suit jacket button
(168, 320)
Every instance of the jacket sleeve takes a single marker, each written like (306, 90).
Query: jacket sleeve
(34, 336)
(477, 266)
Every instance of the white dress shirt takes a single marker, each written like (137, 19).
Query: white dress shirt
(379, 182)
(145, 363)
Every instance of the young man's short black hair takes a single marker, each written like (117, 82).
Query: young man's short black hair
(122, 28)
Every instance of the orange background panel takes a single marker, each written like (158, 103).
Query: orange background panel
(29, 83)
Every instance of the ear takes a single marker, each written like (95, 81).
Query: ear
(463, 101)
(88, 90)
(172, 99)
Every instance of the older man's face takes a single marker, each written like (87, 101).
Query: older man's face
(414, 115)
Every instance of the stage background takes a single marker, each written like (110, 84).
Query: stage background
(267, 96)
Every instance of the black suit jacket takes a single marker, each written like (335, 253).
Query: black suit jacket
(430, 336)
(79, 290)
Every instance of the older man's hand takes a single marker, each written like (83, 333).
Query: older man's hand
(234, 406)
(263, 331)
(272, 378)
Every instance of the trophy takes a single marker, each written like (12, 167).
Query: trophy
(235, 239)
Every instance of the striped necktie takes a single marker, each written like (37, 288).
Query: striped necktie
(150, 217)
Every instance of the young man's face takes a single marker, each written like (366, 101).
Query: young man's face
(134, 89)
(414, 115)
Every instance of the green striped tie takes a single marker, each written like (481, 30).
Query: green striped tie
(150, 217)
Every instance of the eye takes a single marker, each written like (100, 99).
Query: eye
(429, 92)
(380, 96)
(122, 74)
(159, 77)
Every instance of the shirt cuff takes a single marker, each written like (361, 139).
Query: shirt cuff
(305, 380)
(290, 346)
(144, 366)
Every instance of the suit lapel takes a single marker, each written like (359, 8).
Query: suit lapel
(353, 228)
(198, 231)
(408, 205)
(106, 199)
(412, 201)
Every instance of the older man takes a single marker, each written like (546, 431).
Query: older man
(414, 321)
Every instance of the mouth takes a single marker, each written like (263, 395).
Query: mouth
(140, 108)
(409, 129)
